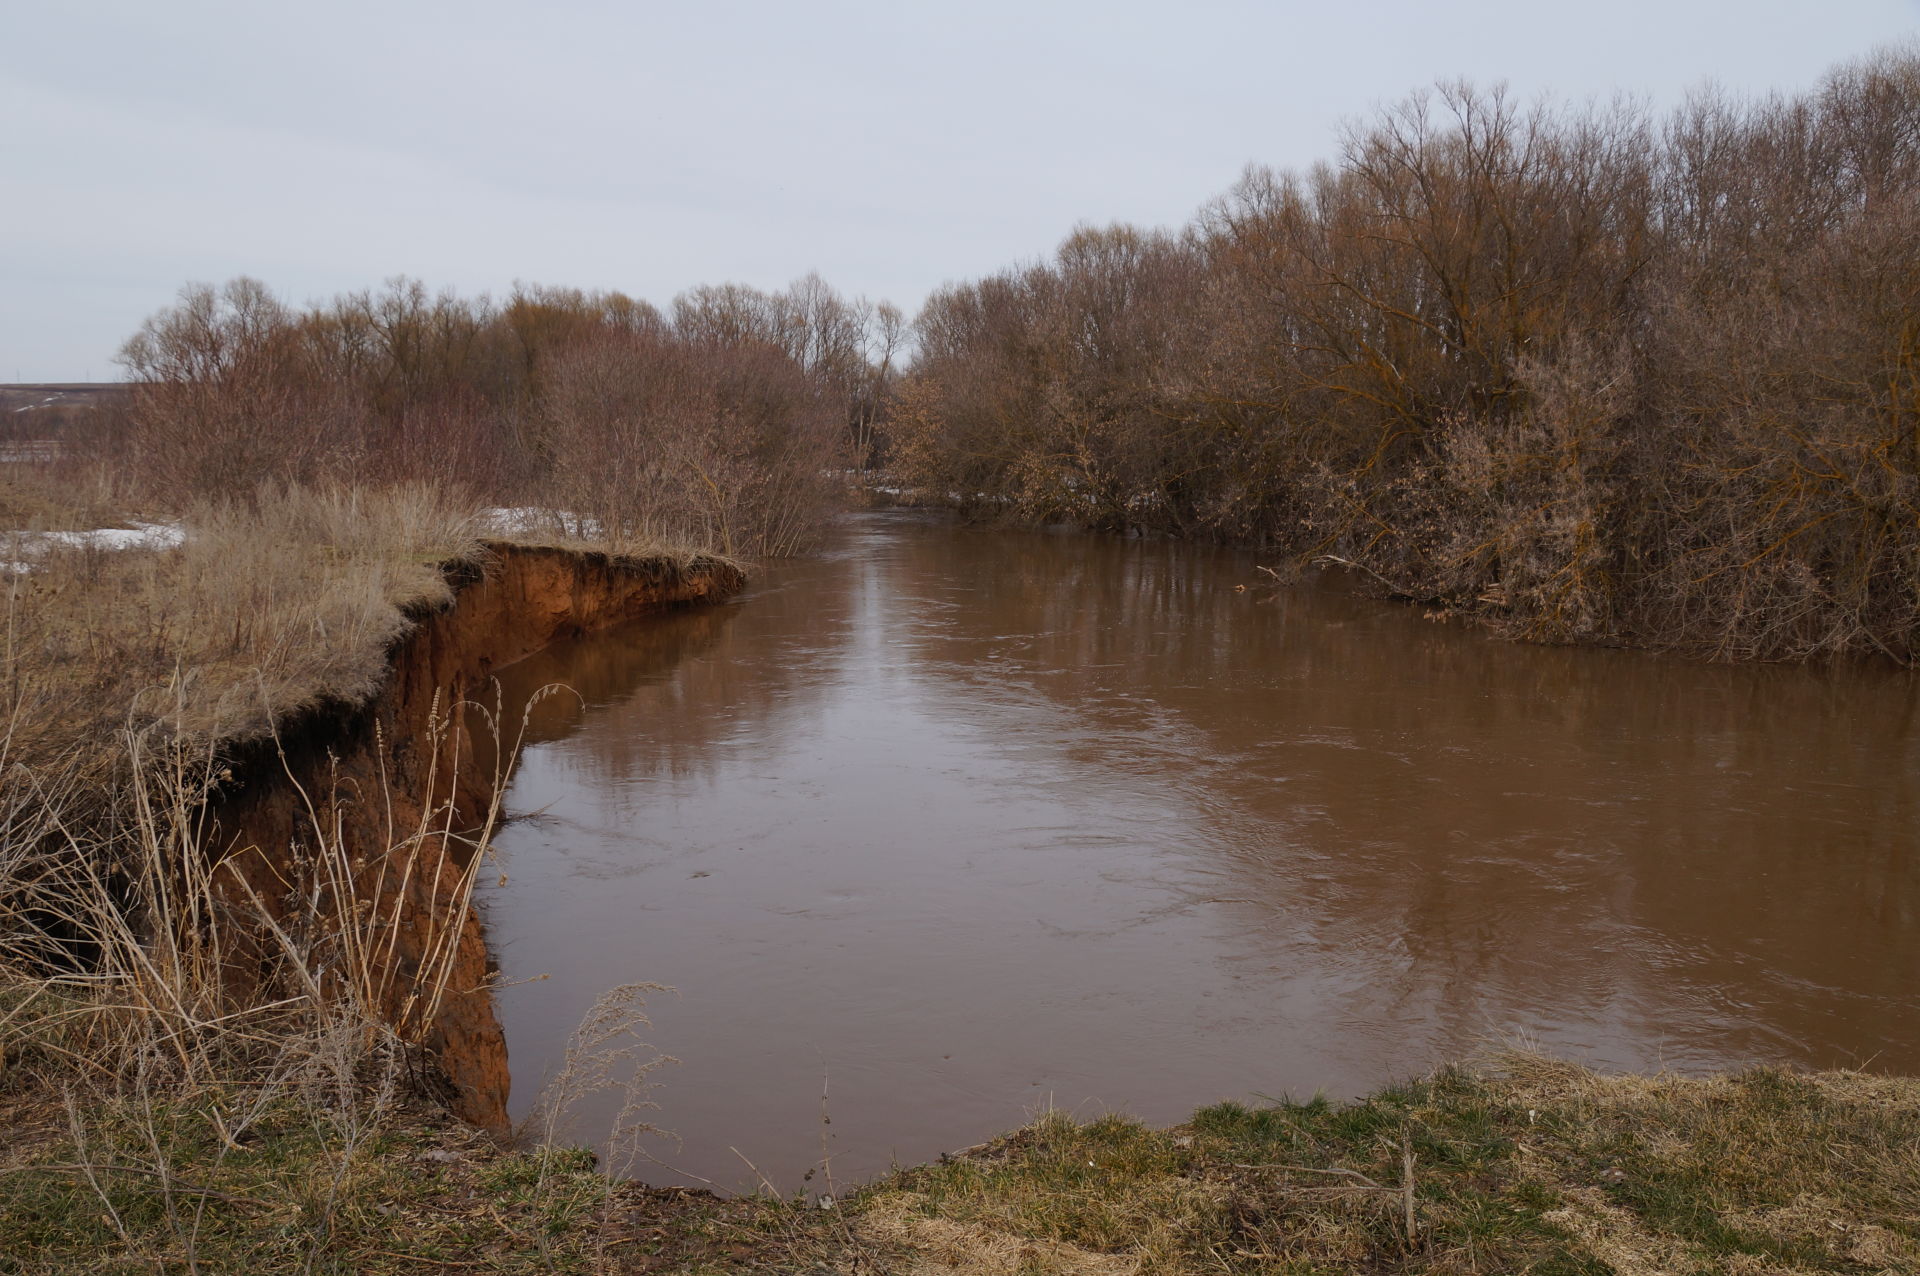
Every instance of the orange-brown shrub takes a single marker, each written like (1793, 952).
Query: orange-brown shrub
(1588, 375)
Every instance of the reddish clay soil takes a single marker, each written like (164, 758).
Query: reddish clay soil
(373, 769)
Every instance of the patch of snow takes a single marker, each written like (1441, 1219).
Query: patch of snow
(533, 518)
(32, 545)
(139, 536)
(515, 518)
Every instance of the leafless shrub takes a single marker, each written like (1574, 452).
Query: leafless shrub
(226, 397)
(721, 427)
(665, 440)
(1592, 377)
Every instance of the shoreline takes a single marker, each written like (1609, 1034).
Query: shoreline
(1522, 1163)
(421, 743)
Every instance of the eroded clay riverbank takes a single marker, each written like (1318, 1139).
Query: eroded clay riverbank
(406, 778)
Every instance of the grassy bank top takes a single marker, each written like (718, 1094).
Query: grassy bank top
(242, 612)
(263, 608)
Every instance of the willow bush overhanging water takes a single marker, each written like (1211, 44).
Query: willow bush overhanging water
(1591, 375)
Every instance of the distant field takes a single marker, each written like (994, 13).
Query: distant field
(29, 397)
(34, 415)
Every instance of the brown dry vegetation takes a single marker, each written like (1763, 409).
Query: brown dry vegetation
(1590, 375)
(160, 1020)
(723, 425)
(268, 607)
(167, 1008)
(327, 471)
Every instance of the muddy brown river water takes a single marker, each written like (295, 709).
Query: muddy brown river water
(959, 824)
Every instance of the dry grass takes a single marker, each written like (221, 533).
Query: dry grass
(541, 528)
(305, 1189)
(273, 604)
(1531, 1165)
(149, 1000)
(193, 1076)
(29, 503)
(196, 1075)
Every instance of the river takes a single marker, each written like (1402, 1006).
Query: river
(943, 826)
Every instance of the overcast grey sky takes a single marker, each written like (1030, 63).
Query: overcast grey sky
(649, 147)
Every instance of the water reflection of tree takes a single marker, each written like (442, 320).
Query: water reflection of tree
(1593, 835)
(663, 698)
(1456, 834)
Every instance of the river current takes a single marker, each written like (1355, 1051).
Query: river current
(943, 826)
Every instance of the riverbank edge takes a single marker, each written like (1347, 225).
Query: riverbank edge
(398, 788)
(1488, 611)
(414, 769)
(1518, 1163)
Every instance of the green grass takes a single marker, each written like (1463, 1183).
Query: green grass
(1528, 1166)
(295, 1192)
(1533, 1166)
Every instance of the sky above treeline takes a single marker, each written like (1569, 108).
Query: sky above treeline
(650, 147)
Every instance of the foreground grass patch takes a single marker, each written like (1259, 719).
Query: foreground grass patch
(152, 1188)
(298, 1188)
(1532, 1166)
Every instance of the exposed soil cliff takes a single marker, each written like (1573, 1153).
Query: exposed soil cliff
(402, 782)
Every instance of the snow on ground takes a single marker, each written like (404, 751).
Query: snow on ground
(515, 518)
(25, 547)
(22, 548)
(139, 536)
(532, 518)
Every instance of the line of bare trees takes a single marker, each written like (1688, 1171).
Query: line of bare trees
(724, 423)
(1591, 374)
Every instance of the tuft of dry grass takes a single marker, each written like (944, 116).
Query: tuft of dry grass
(195, 1074)
(30, 504)
(937, 1246)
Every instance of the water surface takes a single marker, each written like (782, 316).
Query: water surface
(957, 824)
